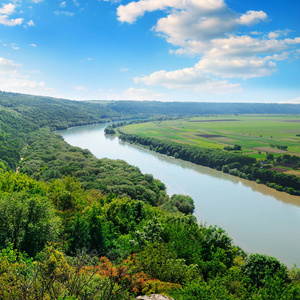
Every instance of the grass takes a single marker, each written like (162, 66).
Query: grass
(248, 131)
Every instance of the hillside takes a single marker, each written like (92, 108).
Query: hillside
(76, 227)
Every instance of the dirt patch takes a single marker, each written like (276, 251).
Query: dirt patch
(279, 170)
(292, 121)
(208, 136)
(293, 173)
(225, 140)
(270, 150)
(220, 120)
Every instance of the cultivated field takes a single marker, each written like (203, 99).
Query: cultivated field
(256, 134)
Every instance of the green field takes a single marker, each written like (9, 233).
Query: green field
(255, 133)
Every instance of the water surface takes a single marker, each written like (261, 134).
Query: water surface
(259, 219)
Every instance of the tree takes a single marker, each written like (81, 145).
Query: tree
(225, 169)
(27, 221)
(260, 267)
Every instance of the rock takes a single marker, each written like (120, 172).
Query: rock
(153, 297)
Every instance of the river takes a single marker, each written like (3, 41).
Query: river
(259, 219)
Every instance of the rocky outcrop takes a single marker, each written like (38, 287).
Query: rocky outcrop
(153, 297)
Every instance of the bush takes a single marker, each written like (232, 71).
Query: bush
(225, 169)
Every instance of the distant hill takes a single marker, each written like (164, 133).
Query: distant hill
(61, 113)
(200, 108)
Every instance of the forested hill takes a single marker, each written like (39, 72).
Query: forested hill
(56, 113)
(61, 113)
(200, 108)
(21, 114)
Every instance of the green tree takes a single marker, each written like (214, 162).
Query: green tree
(27, 221)
(259, 268)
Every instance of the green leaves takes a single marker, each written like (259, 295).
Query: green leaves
(27, 221)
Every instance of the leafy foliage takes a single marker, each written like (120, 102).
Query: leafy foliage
(76, 227)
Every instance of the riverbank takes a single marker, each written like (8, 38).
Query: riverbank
(258, 218)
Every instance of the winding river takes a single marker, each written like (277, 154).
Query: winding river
(259, 219)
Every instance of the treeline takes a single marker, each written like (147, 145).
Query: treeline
(229, 162)
(61, 113)
(213, 158)
(57, 113)
(61, 241)
(280, 181)
(147, 108)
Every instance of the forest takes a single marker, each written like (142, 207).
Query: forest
(76, 227)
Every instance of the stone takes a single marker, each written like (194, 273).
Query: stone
(153, 297)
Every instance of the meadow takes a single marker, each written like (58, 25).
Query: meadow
(258, 135)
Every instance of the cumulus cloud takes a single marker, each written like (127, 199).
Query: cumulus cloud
(252, 17)
(30, 23)
(8, 67)
(5, 11)
(211, 31)
(12, 80)
(188, 79)
(141, 94)
(80, 88)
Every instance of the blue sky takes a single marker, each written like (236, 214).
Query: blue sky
(167, 50)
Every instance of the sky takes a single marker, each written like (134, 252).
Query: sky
(166, 50)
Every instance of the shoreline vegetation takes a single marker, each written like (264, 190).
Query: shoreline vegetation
(269, 169)
(76, 227)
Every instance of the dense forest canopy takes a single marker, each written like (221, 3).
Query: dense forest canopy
(76, 227)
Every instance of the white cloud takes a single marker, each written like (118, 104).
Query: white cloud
(113, 1)
(210, 30)
(130, 94)
(188, 79)
(37, 1)
(5, 12)
(252, 17)
(80, 88)
(10, 22)
(292, 101)
(130, 12)
(63, 12)
(33, 45)
(124, 69)
(63, 4)
(8, 67)
(76, 3)
(24, 85)
(141, 94)
(12, 80)
(30, 23)
(7, 9)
